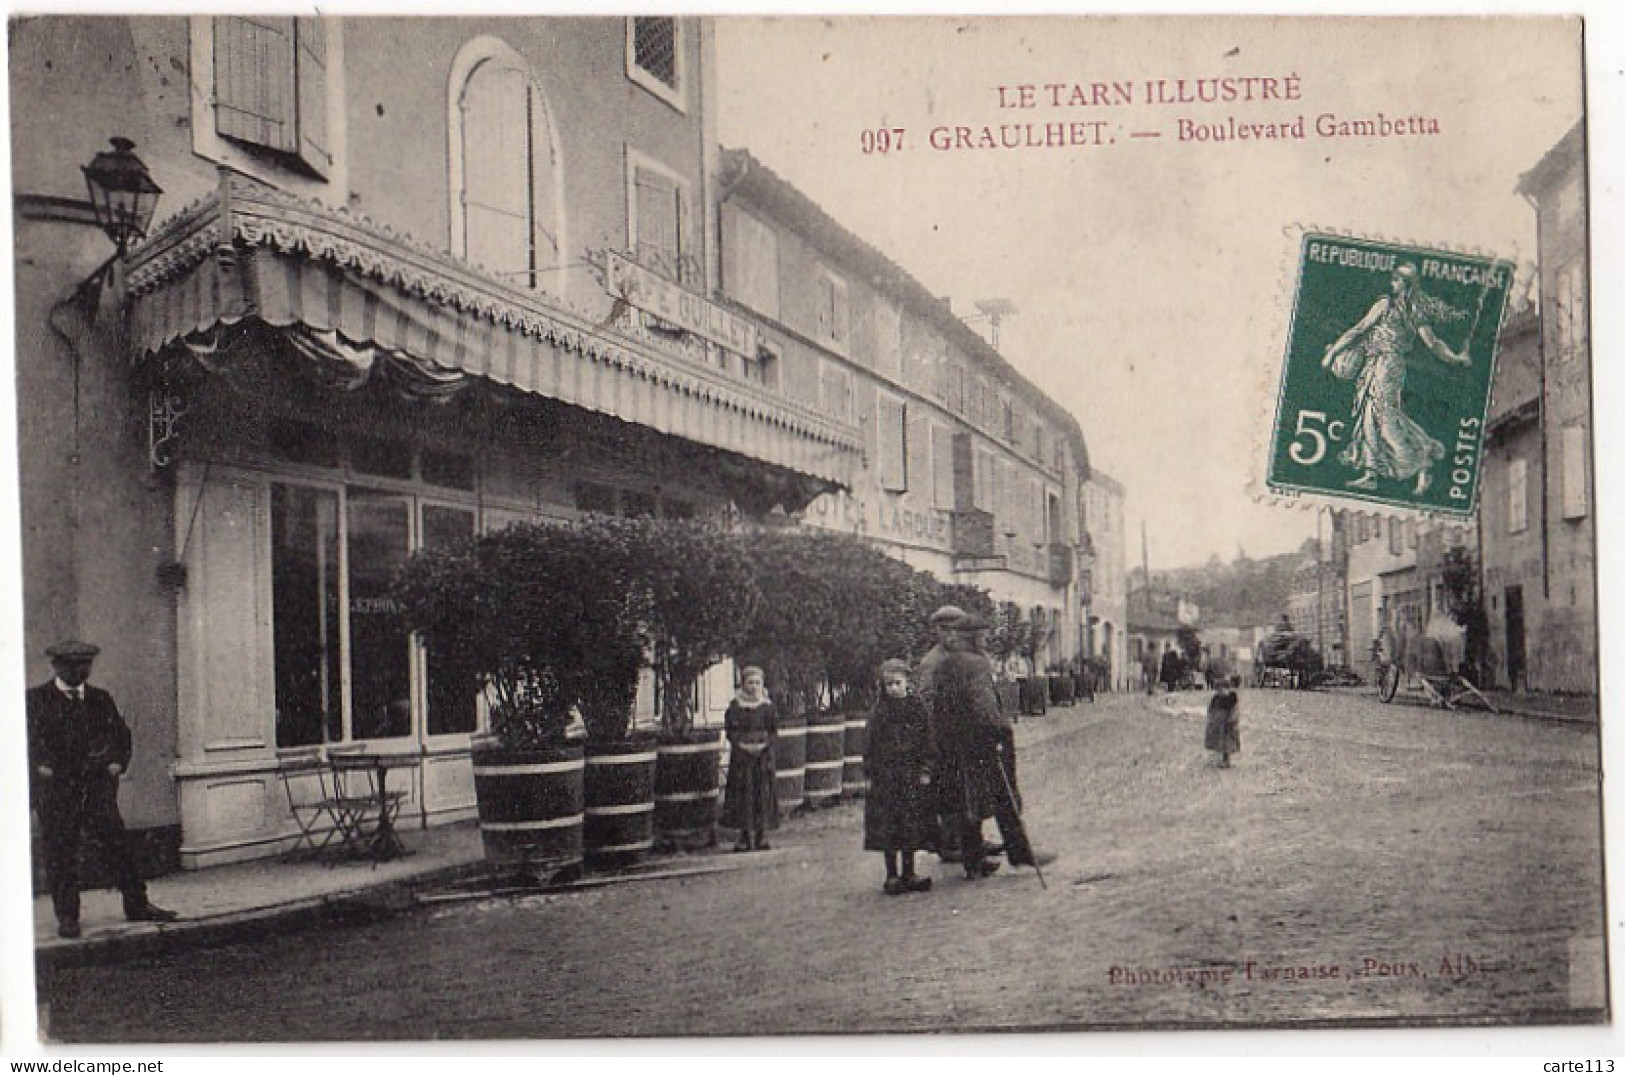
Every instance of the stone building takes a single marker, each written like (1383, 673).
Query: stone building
(1103, 583)
(412, 279)
(969, 469)
(1538, 525)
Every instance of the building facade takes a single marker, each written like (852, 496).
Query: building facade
(1540, 551)
(1511, 512)
(968, 468)
(1104, 581)
(1396, 578)
(380, 312)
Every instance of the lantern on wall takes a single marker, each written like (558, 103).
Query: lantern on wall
(122, 193)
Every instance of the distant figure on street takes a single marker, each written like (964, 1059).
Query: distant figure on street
(900, 813)
(1149, 668)
(78, 748)
(1173, 669)
(1223, 735)
(943, 622)
(751, 724)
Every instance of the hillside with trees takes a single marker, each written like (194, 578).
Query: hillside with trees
(1243, 593)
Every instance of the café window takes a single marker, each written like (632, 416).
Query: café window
(654, 57)
(344, 667)
(506, 184)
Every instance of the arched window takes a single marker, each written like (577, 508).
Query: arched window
(506, 181)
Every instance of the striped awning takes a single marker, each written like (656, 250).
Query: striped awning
(359, 298)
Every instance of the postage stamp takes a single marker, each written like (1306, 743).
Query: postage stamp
(1386, 380)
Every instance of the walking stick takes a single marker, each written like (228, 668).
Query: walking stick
(1004, 774)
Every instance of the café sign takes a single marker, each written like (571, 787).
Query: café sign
(656, 295)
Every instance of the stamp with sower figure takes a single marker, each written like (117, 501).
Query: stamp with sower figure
(1386, 381)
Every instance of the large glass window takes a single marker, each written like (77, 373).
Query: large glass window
(453, 701)
(379, 538)
(305, 615)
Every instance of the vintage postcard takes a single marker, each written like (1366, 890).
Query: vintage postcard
(630, 526)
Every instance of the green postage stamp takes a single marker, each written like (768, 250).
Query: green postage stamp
(1386, 383)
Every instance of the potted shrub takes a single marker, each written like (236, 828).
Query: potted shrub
(698, 594)
(525, 614)
(618, 780)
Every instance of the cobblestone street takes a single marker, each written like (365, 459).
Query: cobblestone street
(1362, 861)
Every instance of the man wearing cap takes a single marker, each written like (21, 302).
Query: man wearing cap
(78, 748)
(943, 622)
(973, 731)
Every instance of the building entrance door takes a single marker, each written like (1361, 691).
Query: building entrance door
(1516, 672)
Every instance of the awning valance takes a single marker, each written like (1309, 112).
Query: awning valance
(357, 297)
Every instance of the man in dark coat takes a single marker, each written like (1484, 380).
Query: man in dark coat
(1173, 668)
(78, 748)
(972, 734)
(944, 622)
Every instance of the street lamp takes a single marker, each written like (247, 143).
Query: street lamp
(122, 193)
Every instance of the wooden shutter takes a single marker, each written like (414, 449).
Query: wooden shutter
(892, 444)
(1576, 502)
(254, 83)
(310, 74)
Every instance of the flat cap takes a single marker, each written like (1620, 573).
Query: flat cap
(971, 622)
(71, 649)
(947, 614)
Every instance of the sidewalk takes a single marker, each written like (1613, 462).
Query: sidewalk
(244, 901)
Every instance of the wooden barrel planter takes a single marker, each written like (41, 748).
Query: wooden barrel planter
(530, 807)
(854, 781)
(1009, 696)
(1062, 691)
(1034, 692)
(790, 763)
(826, 758)
(687, 787)
(619, 792)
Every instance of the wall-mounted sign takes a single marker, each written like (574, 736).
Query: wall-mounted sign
(675, 305)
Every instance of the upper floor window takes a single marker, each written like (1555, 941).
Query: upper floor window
(942, 467)
(834, 312)
(660, 227)
(1576, 498)
(750, 264)
(892, 441)
(506, 184)
(1570, 314)
(835, 391)
(1518, 496)
(273, 84)
(889, 341)
(654, 57)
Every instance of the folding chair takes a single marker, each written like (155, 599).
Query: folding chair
(371, 810)
(323, 815)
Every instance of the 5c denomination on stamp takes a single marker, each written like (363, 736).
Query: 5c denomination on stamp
(1386, 380)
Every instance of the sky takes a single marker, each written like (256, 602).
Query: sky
(1151, 274)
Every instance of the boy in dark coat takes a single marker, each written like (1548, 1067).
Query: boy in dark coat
(899, 816)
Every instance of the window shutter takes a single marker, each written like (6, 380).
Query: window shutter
(1575, 499)
(892, 444)
(310, 71)
(657, 224)
(1517, 496)
(254, 80)
(842, 314)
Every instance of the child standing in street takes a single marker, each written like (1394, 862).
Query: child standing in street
(751, 802)
(899, 816)
(1223, 735)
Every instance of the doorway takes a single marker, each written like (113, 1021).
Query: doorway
(1516, 669)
